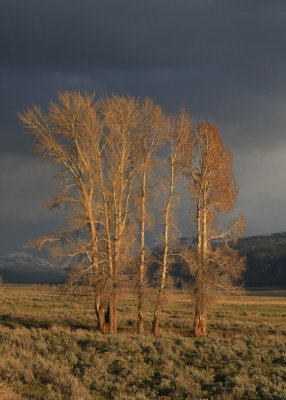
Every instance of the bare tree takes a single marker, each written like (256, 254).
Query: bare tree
(215, 265)
(120, 123)
(104, 151)
(173, 131)
(69, 136)
(92, 144)
(148, 139)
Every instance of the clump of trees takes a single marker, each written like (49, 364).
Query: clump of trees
(109, 157)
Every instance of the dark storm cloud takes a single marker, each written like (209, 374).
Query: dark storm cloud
(26, 185)
(225, 60)
(19, 91)
(141, 34)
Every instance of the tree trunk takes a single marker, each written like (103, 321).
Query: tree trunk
(162, 282)
(111, 310)
(114, 285)
(166, 246)
(200, 323)
(156, 320)
(200, 319)
(114, 310)
(110, 316)
(100, 312)
(140, 317)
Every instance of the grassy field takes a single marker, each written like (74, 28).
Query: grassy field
(49, 349)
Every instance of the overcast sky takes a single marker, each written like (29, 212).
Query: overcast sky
(225, 60)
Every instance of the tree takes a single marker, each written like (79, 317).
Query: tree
(148, 139)
(215, 265)
(175, 127)
(104, 151)
(121, 121)
(91, 143)
(68, 136)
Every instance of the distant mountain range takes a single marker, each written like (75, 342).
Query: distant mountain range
(265, 255)
(265, 259)
(23, 267)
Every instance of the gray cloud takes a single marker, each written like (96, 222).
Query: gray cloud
(140, 35)
(225, 60)
(26, 185)
(261, 178)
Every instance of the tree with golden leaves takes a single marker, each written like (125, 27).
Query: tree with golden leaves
(216, 267)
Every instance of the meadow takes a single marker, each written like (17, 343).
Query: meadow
(50, 350)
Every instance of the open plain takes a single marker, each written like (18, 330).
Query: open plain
(49, 348)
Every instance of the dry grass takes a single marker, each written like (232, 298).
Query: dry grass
(49, 351)
(6, 393)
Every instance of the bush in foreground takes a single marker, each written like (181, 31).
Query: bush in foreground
(62, 364)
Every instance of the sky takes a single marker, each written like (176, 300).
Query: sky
(224, 60)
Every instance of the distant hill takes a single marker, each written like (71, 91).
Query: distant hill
(265, 255)
(265, 258)
(23, 267)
